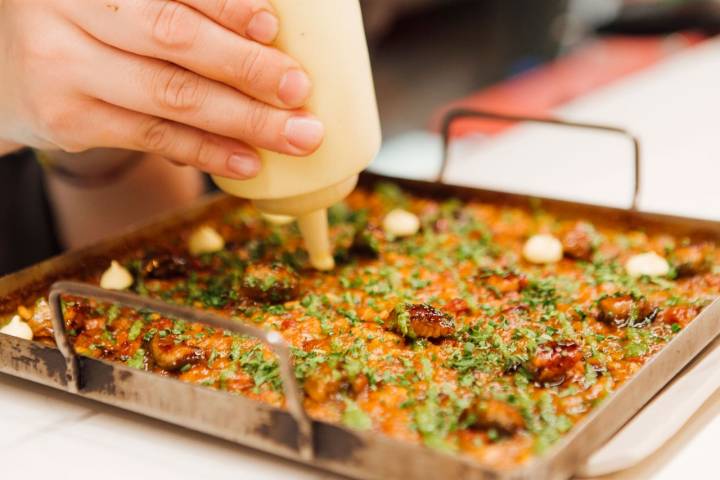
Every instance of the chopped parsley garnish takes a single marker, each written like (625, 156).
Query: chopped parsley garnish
(137, 360)
(356, 418)
(135, 330)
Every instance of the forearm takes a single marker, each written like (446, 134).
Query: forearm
(87, 214)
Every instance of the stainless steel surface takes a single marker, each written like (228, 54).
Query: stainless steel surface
(291, 434)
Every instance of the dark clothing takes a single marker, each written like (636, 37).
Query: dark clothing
(27, 235)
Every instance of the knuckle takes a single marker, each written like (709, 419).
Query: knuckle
(51, 119)
(36, 54)
(155, 135)
(177, 89)
(203, 152)
(222, 9)
(173, 24)
(250, 69)
(28, 47)
(57, 125)
(257, 120)
(237, 14)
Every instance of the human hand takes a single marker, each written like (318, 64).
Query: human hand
(195, 81)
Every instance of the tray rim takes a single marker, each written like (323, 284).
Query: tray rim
(553, 464)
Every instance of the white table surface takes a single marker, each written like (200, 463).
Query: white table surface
(673, 107)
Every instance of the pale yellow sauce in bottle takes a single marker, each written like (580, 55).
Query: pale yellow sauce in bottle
(328, 39)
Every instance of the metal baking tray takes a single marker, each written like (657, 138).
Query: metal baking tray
(290, 433)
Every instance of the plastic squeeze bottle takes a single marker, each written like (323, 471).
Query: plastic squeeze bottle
(328, 39)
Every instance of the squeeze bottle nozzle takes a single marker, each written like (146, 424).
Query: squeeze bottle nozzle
(328, 39)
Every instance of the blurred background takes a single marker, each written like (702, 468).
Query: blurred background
(427, 53)
(651, 67)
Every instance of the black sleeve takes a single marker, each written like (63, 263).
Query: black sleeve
(27, 233)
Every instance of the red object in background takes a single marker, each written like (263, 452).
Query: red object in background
(538, 91)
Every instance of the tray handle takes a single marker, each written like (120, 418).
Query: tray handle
(455, 115)
(273, 339)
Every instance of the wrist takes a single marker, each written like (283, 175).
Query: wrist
(91, 169)
(90, 162)
(85, 215)
(7, 148)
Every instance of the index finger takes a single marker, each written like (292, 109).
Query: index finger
(254, 19)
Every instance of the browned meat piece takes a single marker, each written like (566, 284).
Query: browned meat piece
(421, 320)
(506, 282)
(95, 323)
(553, 360)
(270, 283)
(681, 314)
(368, 240)
(316, 344)
(325, 382)
(41, 321)
(169, 356)
(692, 260)
(77, 314)
(496, 415)
(458, 306)
(322, 384)
(577, 241)
(624, 309)
(164, 266)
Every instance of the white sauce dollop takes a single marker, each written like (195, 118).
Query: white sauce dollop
(649, 263)
(401, 223)
(543, 249)
(116, 277)
(205, 240)
(18, 328)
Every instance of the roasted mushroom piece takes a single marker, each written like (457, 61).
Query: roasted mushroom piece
(625, 309)
(325, 382)
(578, 241)
(77, 315)
(552, 361)
(421, 321)
(495, 414)
(164, 266)
(504, 282)
(368, 240)
(322, 384)
(171, 356)
(692, 260)
(270, 283)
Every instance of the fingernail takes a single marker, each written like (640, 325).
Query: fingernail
(294, 88)
(305, 133)
(244, 165)
(263, 27)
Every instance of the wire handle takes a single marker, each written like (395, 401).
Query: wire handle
(273, 339)
(457, 114)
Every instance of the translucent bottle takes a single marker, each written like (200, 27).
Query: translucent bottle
(328, 39)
